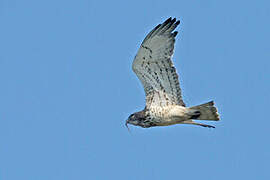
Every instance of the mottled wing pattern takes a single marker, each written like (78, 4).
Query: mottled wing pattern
(154, 67)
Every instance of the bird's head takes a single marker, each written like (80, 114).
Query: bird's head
(134, 119)
(138, 119)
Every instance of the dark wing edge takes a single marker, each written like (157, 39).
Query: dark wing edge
(167, 27)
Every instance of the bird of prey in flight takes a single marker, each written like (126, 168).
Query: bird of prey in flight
(164, 104)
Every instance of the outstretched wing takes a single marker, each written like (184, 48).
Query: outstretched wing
(154, 67)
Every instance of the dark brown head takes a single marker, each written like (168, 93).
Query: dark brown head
(139, 119)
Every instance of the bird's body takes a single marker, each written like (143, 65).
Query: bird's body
(163, 116)
(154, 68)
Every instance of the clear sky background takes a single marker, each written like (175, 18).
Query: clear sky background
(67, 88)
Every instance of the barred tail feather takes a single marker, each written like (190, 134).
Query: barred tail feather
(205, 111)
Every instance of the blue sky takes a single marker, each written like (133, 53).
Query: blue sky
(67, 88)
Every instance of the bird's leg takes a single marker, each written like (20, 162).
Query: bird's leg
(199, 124)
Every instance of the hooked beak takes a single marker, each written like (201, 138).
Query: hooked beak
(127, 126)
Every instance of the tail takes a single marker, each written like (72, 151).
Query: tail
(205, 111)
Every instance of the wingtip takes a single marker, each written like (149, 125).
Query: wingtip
(168, 20)
(171, 20)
